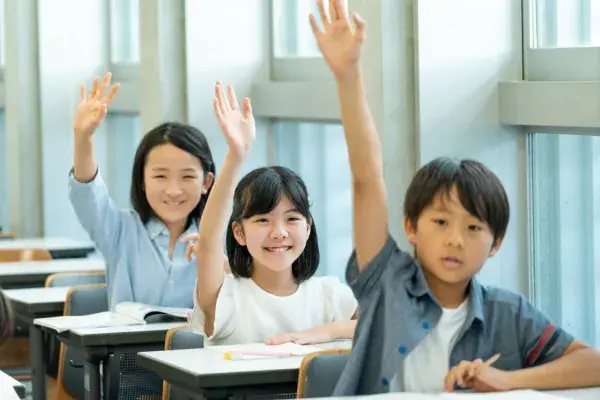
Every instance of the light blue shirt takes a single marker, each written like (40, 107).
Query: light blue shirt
(138, 267)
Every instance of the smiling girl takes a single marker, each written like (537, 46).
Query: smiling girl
(172, 176)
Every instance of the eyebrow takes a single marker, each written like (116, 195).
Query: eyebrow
(291, 210)
(188, 169)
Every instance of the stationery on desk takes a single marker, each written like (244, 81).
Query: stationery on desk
(125, 314)
(260, 351)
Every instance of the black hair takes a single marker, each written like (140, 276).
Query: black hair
(185, 137)
(6, 319)
(479, 190)
(259, 192)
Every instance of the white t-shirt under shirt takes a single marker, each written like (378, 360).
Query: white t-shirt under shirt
(245, 313)
(426, 366)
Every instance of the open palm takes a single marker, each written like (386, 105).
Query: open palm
(340, 44)
(237, 125)
(91, 110)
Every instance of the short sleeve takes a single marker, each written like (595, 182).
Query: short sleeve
(387, 262)
(224, 311)
(341, 304)
(541, 340)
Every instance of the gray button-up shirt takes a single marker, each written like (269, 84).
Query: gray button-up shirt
(397, 310)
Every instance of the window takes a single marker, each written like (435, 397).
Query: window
(125, 31)
(122, 138)
(292, 34)
(4, 197)
(317, 152)
(565, 209)
(570, 23)
(2, 38)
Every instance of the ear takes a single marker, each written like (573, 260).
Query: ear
(208, 181)
(238, 233)
(308, 227)
(495, 248)
(411, 231)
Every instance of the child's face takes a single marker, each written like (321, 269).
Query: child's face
(174, 181)
(451, 244)
(275, 240)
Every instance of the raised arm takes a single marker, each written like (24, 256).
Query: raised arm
(89, 115)
(239, 131)
(341, 46)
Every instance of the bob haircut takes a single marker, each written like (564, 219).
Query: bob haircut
(182, 136)
(258, 193)
(479, 190)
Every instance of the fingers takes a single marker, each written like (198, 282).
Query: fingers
(360, 24)
(111, 95)
(223, 103)
(190, 236)
(474, 368)
(247, 109)
(105, 83)
(81, 93)
(313, 25)
(217, 110)
(340, 9)
(233, 103)
(458, 375)
(322, 13)
(333, 15)
(189, 251)
(94, 88)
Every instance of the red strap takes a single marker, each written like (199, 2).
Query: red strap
(540, 344)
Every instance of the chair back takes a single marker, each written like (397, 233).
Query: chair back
(320, 372)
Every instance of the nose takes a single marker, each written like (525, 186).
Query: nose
(278, 231)
(455, 238)
(173, 188)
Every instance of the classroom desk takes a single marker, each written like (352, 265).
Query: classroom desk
(58, 247)
(106, 346)
(18, 386)
(575, 394)
(29, 304)
(34, 273)
(205, 373)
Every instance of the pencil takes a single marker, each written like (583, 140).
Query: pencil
(239, 354)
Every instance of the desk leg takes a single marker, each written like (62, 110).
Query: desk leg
(36, 358)
(91, 380)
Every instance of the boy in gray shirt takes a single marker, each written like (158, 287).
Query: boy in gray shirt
(425, 323)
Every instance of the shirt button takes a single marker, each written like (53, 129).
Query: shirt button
(425, 325)
(402, 349)
(384, 381)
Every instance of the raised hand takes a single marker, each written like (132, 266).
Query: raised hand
(340, 43)
(91, 110)
(237, 125)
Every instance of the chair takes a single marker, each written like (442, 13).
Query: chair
(14, 354)
(6, 236)
(81, 300)
(319, 373)
(16, 255)
(181, 338)
(61, 280)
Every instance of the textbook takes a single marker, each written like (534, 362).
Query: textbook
(126, 313)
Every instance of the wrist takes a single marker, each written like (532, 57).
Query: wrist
(350, 76)
(517, 379)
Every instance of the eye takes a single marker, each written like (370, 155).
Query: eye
(189, 177)
(261, 220)
(475, 228)
(293, 219)
(159, 176)
(440, 222)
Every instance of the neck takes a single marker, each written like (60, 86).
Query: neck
(278, 283)
(175, 229)
(449, 295)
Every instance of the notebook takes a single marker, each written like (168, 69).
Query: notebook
(260, 351)
(511, 395)
(126, 313)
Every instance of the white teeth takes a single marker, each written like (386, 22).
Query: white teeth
(278, 249)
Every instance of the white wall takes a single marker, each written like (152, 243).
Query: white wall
(464, 48)
(227, 40)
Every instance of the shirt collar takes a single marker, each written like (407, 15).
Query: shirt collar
(417, 287)
(156, 227)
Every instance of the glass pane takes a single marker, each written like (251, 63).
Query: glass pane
(123, 136)
(4, 197)
(565, 193)
(317, 152)
(292, 34)
(2, 39)
(125, 31)
(566, 23)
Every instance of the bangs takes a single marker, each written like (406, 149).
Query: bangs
(266, 191)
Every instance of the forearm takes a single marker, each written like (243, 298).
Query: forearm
(364, 147)
(84, 165)
(576, 369)
(209, 250)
